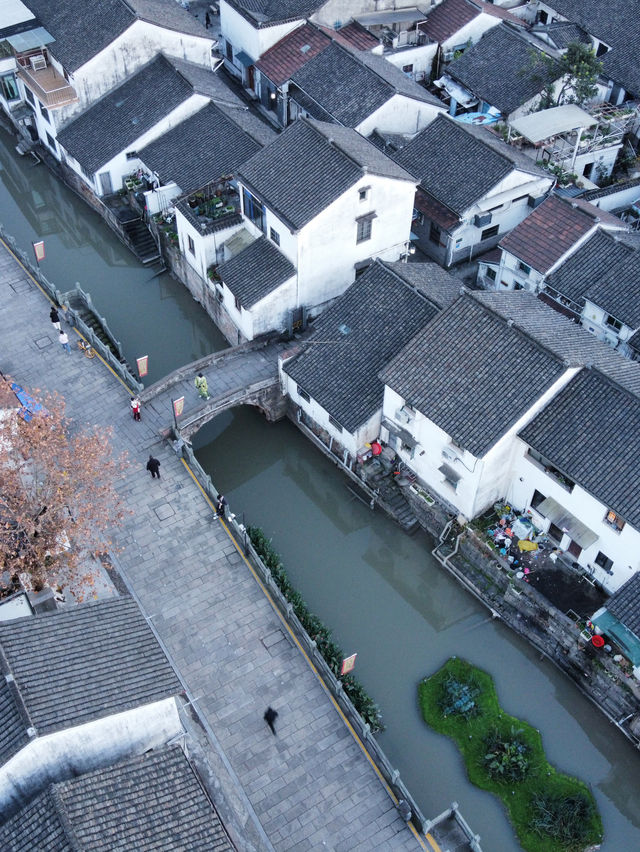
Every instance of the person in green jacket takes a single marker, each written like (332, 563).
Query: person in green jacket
(202, 386)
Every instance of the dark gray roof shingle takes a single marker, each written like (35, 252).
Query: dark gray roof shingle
(502, 69)
(469, 162)
(625, 604)
(199, 150)
(591, 432)
(588, 264)
(434, 282)
(451, 373)
(83, 28)
(309, 166)
(86, 663)
(154, 801)
(618, 291)
(266, 13)
(256, 271)
(13, 724)
(563, 33)
(352, 360)
(113, 123)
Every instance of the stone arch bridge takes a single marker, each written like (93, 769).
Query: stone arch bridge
(241, 375)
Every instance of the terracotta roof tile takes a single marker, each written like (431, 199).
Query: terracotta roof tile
(548, 233)
(293, 51)
(435, 211)
(449, 17)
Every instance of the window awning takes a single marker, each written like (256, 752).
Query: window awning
(449, 473)
(398, 432)
(244, 59)
(30, 40)
(557, 514)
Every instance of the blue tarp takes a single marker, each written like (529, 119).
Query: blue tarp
(29, 405)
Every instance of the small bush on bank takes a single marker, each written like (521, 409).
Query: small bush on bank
(550, 811)
(330, 650)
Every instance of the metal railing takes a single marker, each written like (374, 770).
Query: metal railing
(59, 298)
(331, 682)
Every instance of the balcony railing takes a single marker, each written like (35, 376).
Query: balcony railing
(50, 87)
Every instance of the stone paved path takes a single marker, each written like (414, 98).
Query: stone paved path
(311, 787)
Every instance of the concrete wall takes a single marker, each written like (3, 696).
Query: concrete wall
(471, 32)
(622, 547)
(594, 319)
(617, 200)
(400, 114)
(254, 41)
(339, 12)
(73, 751)
(208, 248)
(420, 56)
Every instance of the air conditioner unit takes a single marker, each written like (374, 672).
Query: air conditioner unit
(482, 219)
(449, 454)
(447, 56)
(38, 63)
(535, 202)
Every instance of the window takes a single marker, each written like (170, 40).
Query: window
(490, 273)
(229, 51)
(543, 463)
(364, 227)
(604, 562)
(408, 69)
(237, 304)
(132, 155)
(44, 112)
(192, 247)
(524, 268)
(418, 216)
(536, 500)
(303, 394)
(612, 322)
(9, 87)
(614, 520)
(30, 96)
(602, 49)
(497, 207)
(335, 423)
(275, 236)
(51, 142)
(490, 232)
(253, 209)
(363, 193)
(517, 285)
(434, 233)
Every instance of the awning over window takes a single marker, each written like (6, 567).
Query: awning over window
(398, 432)
(557, 514)
(30, 40)
(244, 59)
(449, 473)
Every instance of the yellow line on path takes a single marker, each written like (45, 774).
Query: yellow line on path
(50, 300)
(307, 658)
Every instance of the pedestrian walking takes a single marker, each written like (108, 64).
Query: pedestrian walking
(201, 386)
(135, 407)
(270, 716)
(221, 506)
(54, 316)
(64, 340)
(207, 20)
(153, 466)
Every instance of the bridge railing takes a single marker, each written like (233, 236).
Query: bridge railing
(332, 683)
(85, 299)
(61, 299)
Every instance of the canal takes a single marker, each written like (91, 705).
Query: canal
(380, 590)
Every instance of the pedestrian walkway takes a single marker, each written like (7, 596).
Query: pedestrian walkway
(310, 787)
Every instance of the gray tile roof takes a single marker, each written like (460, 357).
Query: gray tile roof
(618, 291)
(113, 123)
(309, 166)
(594, 194)
(591, 432)
(452, 372)
(434, 282)
(570, 342)
(625, 604)
(83, 664)
(563, 33)
(520, 76)
(402, 83)
(588, 264)
(470, 162)
(342, 86)
(199, 150)
(267, 13)
(150, 802)
(83, 28)
(13, 723)
(340, 370)
(621, 31)
(256, 271)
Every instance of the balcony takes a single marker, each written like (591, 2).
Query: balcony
(213, 208)
(50, 87)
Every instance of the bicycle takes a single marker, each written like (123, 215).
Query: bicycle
(87, 350)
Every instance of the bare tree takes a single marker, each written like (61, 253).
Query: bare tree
(58, 502)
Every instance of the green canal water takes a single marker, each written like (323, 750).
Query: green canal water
(380, 590)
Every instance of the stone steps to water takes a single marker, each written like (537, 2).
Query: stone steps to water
(141, 240)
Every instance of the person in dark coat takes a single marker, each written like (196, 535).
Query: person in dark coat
(54, 316)
(207, 20)
(221, 506)
(270, 716)
(153, 466)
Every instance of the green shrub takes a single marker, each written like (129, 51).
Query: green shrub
(331, 652)
(458, 697)
(565, 818)
(506, 758)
